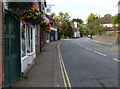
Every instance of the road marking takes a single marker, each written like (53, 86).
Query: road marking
(66, 75)
(65, 84)
(116, 60)
(63, 70)
(99, 53)
(82, 46)
(88, 48)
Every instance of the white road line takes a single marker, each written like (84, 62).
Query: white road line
(88, 48)
(82, 46)
(116, 60)
(99, 53)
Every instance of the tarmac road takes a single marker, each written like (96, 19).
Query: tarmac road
(89, 64)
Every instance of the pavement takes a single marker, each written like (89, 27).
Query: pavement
(46, 70)
(114, 46)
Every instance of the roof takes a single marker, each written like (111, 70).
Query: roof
(106, 20)
(108, 28)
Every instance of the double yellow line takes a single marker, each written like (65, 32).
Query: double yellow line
(65, 77)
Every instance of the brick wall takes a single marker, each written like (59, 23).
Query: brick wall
(37, 45)
(109, 39)
(1, 47)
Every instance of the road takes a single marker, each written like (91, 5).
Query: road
(89, 64)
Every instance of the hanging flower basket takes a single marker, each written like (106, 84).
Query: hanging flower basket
(28, 12)
(31, 15)
(19, 5)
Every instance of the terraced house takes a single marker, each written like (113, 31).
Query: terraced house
(21, 39)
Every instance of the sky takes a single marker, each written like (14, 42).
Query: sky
(82, 8)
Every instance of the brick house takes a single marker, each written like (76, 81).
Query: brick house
(107, 23)
(1, 48)
(22, 41)
(53, 29)
(40, 34)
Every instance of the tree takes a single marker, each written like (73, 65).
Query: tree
(77, 20)
(107, 15)
(94, 24)
(116, 21)
(97, 27)
(91, 18)
(64, 16)
(65, 25)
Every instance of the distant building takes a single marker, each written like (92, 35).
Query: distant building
(76, 31)
(107, 23)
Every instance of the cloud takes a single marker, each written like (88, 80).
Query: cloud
(82, 8)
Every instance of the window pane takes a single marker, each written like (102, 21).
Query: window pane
(28, 40)
(23, 42)
(31, 40)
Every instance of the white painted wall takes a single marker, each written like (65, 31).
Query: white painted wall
(108, 25)
(29, 58)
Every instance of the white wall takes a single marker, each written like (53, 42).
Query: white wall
(29, 58)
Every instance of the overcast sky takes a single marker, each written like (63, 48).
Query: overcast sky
(82, 8)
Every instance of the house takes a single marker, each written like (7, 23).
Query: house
(18, 47)
(39, 33)
(1, 47)
(34, 41)
(53, 35)
(107, 24)
(76, 31)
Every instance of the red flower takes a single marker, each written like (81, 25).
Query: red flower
(36, 8)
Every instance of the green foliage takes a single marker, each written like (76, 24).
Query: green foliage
(116, 20)
(107, 15)
(64, 16)
(25, 77)
(94, 24)
(85, 31)
(78, 20)
(98, 29)
(65, 25)
(69, 32)
(91, 18)
(27, 11)
(19, 5)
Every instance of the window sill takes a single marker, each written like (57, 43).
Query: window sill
(29, 54)
(23, 58)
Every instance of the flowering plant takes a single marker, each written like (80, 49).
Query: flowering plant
(45, 26)
(28, 12)
(31, 15)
